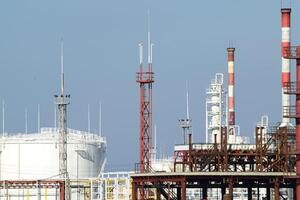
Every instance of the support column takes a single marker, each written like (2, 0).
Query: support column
(268, 193)
(134, 191)
(249, 193)
(179, 193)
(204, 193)
(62, 190)
(276, 189)
(230, 187)
(158, 195)
(223, 191)
(183, 189)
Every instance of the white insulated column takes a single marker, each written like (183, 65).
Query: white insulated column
(231, 104)
(285, 63)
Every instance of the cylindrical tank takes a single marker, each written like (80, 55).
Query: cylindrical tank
(35, 156)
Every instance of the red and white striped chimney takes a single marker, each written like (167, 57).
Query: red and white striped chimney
(231, 104)
(285, 63)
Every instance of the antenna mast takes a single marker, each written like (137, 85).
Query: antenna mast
(100, 118)
(89, 119)
(26, 124)
(145, 80)
(62, 101)
(185, 124)
(3, 118)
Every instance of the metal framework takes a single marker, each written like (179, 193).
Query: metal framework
(174, 185)
(272, 163)
(294, 111)
(263, 165)
(145, 80)
(33, 184)
(62, 101)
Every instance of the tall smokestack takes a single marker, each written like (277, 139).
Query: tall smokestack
(285, 63)
(231, 106)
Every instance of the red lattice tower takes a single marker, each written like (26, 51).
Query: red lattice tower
(145, 80)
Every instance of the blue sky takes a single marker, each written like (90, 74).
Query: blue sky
(101, 58)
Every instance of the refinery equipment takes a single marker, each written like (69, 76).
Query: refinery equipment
(226, 165)
(61, 163)
(215, 109)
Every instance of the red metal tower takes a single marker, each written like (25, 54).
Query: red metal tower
(145, 80)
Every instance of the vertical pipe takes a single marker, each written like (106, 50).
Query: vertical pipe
(46, 194)
(38, 188)
(268, 193)
(190, 152)
(134, 191)
(231, 103)
(298, 125)
(285, 63)
(27, 195)
(62, 190)
(91, 189)
(183, 188)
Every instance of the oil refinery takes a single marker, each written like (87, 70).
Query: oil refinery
(63, 163)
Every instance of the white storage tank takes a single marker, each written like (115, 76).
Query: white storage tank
(35, 156)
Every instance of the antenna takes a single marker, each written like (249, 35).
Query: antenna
(26, 116)
(100, 118)
(141, 53)
(3, 117)
(39, 119)
(155, 150)
(55, 116)
(149, 39)
(62, 101)
(89, 119)
(62, 66)
(187, 101)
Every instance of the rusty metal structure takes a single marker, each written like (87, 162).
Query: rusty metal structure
(227, 166)
(271, 164)
(145, 80)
